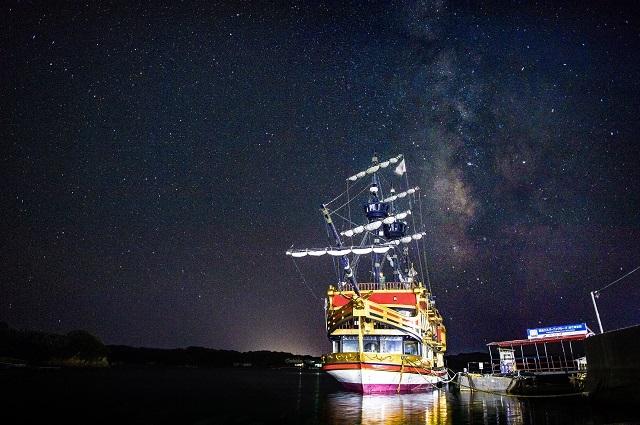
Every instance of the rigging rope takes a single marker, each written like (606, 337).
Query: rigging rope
(474, 388)
(340, 195)
(424, 251)
(400, 380)
(417, 368)
(304, 280)
(348, 201)
(333, 259)
(413, 222)
(354, 265)
(618, 280)
(334, 199)
(349, 222)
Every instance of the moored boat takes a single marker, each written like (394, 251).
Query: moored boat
(549, 362)
(386, 336)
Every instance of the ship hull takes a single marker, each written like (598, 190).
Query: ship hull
(368, 378)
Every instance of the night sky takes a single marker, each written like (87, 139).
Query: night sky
(160, 160)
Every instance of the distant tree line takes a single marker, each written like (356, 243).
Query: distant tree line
(199, 357)
(80, 348)
(32, 347)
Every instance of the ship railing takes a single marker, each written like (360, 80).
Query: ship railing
(546, 357)
(539, 364)
(373, 286)
(381, 314)
(340, 317)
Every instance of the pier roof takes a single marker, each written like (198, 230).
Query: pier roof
(519, 342)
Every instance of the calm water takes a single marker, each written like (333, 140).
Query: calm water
(246, 396)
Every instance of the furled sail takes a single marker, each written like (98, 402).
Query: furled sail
(408, 238)
(401, 194)
(338, 252)
(375, 224)
(358, 250)
(375, 168)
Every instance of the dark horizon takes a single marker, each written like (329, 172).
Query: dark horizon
(161, 159)
(37, 348)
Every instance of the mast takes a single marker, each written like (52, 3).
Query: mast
(378, 208)
(376, 214)
(386, 228)
(344, 260)
(393, 258)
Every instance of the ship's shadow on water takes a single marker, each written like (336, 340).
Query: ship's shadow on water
(255, 396)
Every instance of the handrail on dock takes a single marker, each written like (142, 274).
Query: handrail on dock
(550, 355)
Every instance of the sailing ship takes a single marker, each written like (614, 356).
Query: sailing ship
(387, 336)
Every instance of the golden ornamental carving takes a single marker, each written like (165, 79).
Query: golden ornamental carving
(378, 357)
(341, 357)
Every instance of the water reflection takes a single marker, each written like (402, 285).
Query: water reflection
(424, 408)
(436, 408)
(441, 407)
(483, 408)
(159, 396)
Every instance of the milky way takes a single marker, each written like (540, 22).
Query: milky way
(160, 160)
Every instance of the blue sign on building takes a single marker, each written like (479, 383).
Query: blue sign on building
(555, 331)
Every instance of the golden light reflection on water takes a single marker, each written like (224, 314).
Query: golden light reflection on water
(423, 408)
(434, 408)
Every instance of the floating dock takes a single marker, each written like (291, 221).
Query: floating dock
(539, 366)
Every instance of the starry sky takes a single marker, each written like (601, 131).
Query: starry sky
(159, 159)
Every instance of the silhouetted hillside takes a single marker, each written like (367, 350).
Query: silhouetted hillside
(80, 348)
(76, 348)
(201, 357)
